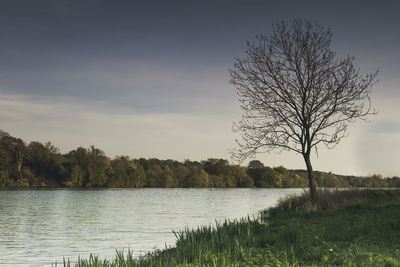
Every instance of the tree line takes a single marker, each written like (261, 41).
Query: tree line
(37, 165)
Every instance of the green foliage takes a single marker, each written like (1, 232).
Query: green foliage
(357, 227)
(88, 167)
(270, 178)
(328, 199)
(45, 162)
(196, 177)
(126, 173)
(42, 165)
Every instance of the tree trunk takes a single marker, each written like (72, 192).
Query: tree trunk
(20, 161)
(313, 192)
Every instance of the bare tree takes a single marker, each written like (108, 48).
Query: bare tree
(296, 93)
(14, 145)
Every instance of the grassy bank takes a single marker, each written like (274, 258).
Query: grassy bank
(350, 228)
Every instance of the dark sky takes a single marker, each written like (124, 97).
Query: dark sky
(168, 58)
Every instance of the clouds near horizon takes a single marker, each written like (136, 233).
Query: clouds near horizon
(150, 78)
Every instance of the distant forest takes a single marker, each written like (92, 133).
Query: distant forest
(37, 165)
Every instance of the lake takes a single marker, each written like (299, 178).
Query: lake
(40, 227)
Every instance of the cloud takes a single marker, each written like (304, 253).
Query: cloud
(391, 128)
(370, 148)
(378, 145)
(162, 135)
(140, 86)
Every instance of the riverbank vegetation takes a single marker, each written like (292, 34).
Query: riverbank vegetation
(37, 165)
(343, 228)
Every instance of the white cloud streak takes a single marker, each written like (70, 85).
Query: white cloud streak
(370, 148)
(162, 135)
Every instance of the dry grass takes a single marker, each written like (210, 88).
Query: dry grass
(329, 199)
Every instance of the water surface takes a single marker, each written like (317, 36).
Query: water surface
(38, 227)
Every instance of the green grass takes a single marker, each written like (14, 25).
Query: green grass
(343, 228)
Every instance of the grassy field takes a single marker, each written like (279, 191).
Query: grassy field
(344, 228)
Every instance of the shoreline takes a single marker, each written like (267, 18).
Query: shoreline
(297, 233)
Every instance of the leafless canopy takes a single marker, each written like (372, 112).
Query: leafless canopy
(295, 92)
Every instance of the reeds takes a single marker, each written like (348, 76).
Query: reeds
(342, 228)
(207, 245)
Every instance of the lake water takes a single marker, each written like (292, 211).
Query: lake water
(40, 227)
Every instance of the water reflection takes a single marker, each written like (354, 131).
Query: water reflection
(38, 227)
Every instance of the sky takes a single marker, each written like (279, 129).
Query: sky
(150, 78)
